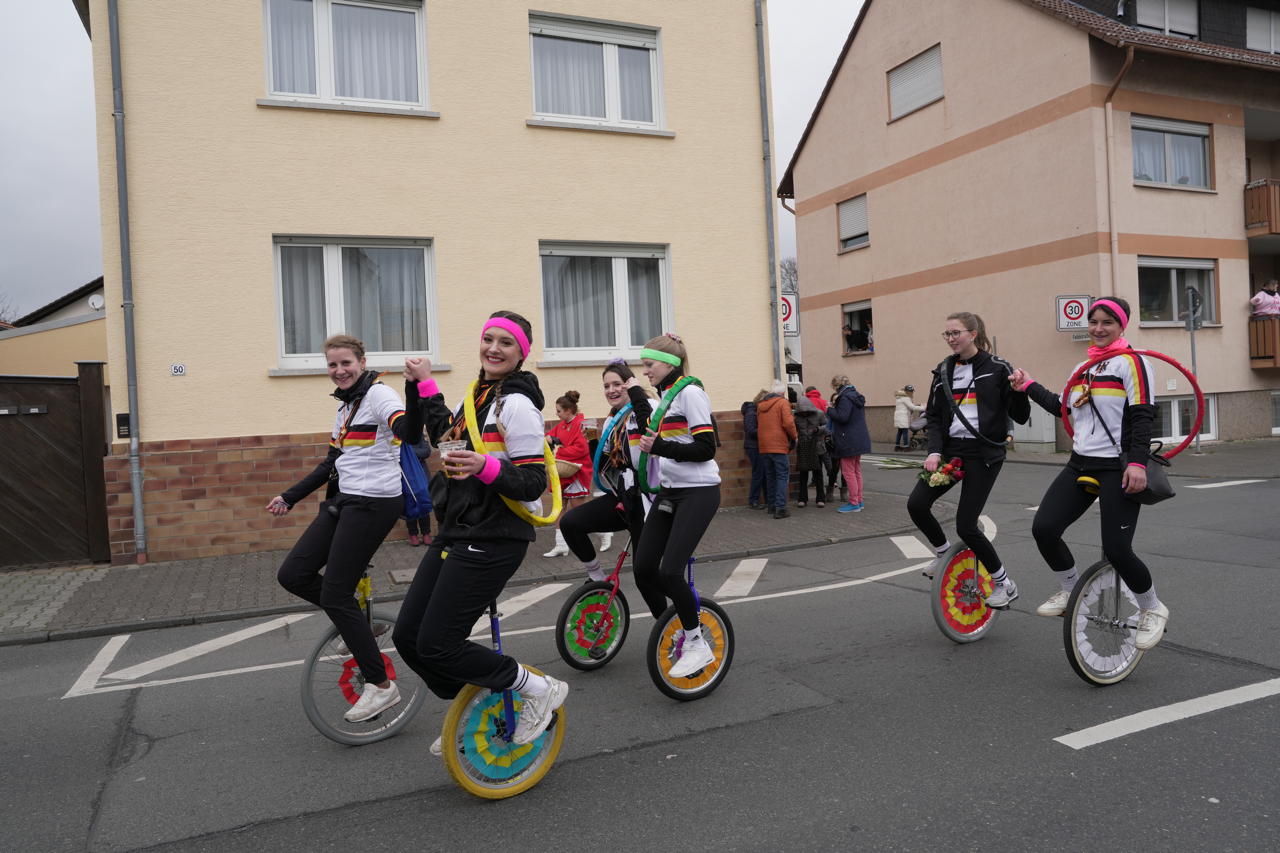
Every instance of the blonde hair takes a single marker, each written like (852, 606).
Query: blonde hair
(973, 323)
(839, 381)
(671, 345)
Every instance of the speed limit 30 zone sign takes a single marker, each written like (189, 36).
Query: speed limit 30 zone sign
(1073, 313)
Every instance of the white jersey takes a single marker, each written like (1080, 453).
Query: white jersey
(515, 435)
(964, 392)
(1124, 379)
(689, 415)
(370, 460)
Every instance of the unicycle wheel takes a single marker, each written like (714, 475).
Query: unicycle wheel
(478, 754)
(1100, 627)
(958, 596)
(591, 629)
(663, 651)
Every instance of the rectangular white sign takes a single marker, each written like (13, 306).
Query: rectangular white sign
(1073, 313)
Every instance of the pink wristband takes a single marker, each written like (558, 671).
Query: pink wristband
(428, 388)
(489, 472)
(1138, 465)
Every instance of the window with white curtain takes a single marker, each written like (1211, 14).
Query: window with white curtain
(1172, 17)
(1173, 153)
(1262, 30)
(915, 83)
(853, 222)
(1163, 299)
(596, 72)
(603, 300)
(367, 52)
(1175, 416)
(377, 290)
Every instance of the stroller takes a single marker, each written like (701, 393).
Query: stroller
(919, 427)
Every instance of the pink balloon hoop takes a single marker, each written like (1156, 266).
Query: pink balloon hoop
(1195, 386)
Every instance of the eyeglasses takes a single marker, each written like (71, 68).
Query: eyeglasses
(954, 333)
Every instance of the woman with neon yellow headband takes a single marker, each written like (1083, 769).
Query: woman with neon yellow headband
(681, 450)
(483, 536)
(1112, 410)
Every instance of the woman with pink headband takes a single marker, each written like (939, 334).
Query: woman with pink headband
(483, 536)
(1112, 408)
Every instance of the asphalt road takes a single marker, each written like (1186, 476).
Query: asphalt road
(846, 722)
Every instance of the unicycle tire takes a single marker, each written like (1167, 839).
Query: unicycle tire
(479, 757)
(661, 652)
(957, 598)
(590, 629)
(332, 682)
(1100, 627)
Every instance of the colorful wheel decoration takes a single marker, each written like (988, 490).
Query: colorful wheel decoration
(590, 620)
(965, 583)
(352, 679)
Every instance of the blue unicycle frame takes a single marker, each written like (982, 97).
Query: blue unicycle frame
(508, 700)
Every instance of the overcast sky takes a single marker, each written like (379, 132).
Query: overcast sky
(50, 242)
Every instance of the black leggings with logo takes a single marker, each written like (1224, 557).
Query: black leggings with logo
(975, 487)
(672, 530)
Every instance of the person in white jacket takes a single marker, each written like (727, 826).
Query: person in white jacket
(904, 409)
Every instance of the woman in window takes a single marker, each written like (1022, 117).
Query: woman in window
(1112, 408)
(569, 440)
(683, 449)
(968, 410)
(483, 498)
(622, 507)
(363, 503)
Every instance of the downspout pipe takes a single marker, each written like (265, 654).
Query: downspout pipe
(126, 284)
(1111, 193)
(767, 148)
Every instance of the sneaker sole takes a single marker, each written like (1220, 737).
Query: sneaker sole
(671, 672)
(367, 717)
(560, 693)
(1004, 606)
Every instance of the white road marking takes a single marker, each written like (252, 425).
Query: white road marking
(514, 605)
(830, 586)
(85, 683)
(1227, 483)
(989, 528)
(133, 673)
(912, 548)
(742, 580)
(1033, 508)
(1169, 714)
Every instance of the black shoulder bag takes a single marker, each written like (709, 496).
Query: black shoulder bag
(1158, 485)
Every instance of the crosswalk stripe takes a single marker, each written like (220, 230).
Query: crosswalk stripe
(514, 605)
(912, 548)
(1227, 483)
(741, 581)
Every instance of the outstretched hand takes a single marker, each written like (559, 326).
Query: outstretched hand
(276, 506)
(417, 368)
(1020, 379)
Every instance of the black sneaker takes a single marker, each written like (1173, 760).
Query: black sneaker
(781, 513)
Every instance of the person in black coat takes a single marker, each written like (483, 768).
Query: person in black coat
(760, 485)
(849, 437)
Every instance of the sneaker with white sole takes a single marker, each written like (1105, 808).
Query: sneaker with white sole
(1054, 605)
(1003, 595)
(694, 655)
(372, 702)
(938, 564)
(1151, 626)
(536, 711)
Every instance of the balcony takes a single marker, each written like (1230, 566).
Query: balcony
(1262, 208)
(1264, 342)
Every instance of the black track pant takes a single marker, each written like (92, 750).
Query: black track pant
(452, 589)
(672, 530)
(342, 545)
(599, 515)
(975, 487)
(1065, 502)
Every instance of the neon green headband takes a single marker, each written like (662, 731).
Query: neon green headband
(659, 355)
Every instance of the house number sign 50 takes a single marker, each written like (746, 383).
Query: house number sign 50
(177, 370)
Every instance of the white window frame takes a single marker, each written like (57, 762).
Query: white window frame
(1208, 301)
(325, 82)
(850, 308)
(1275, 412)
(918, 72)
(334, 307)
(611, 35)
(1160, 22)
(852, 224)
(1262, 30)
(619, 253)
(1208, 429)
(1168, 128)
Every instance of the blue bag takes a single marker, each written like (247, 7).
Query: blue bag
(413, 484)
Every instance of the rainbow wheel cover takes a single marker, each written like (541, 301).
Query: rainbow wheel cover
(591, 611)
(965, 583)
(483, 746)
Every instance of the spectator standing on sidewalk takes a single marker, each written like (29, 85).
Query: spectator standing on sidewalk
(815, 397)
(1266, 302)
(904, 409)
(811, 450)
(420, 528)
(849, 437)
(760, 485)
(777, 435)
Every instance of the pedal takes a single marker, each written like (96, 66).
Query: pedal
(596, 653)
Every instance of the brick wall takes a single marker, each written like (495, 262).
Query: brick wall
(206, 497)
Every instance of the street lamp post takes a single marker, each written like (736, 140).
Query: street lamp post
(1193, 323)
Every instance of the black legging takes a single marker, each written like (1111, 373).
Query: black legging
(342, 542)
(665, 547)
(975, 486)
(600, 515)
(816, 476)
(1065, 502)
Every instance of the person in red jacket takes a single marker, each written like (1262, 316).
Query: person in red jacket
(816, 397)
(570, 442)
(776, 432)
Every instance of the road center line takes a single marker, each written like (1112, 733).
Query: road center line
(1169, 714)
(1227, 483)
(742, 580)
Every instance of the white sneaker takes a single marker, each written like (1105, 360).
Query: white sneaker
(560, 549)
(1054, 605)
(1151, 626)
(536, 711)
(437, 746)
(373, 701)
(1003, 595)
(939, 562)
(606, 541)
(695, 655)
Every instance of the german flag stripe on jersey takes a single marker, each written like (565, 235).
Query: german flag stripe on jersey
(360, 436)
(1141, 388)
(698, 430)
(672, 427)
(526, 460)
(1108, 387)
(963, 399)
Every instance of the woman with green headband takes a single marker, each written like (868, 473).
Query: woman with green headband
(681, 449)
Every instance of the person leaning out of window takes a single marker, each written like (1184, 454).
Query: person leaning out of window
(1266, 302)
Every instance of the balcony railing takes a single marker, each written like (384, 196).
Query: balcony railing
(1264, 341)
(1262, 208)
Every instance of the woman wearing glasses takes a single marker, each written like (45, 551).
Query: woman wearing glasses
(969, 406)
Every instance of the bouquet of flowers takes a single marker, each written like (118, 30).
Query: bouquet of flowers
(946, 475)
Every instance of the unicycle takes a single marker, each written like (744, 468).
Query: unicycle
(1100, 626)
(332, 682)
(476, 738)
(666, 639)
(958, 597)
(593, 623)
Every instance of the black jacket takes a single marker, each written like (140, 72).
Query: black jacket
(997, 403)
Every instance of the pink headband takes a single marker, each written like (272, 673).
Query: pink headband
(1114, 308)
(509, 326)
